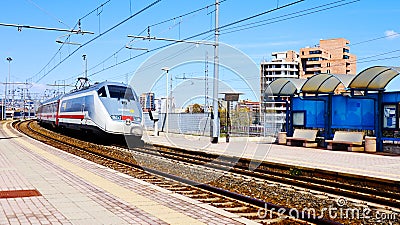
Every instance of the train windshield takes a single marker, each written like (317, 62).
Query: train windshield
(121, 92)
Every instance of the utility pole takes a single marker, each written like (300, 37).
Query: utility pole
(206, 84)
(167, 106)
(215, 119)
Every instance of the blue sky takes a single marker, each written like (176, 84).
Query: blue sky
(32, 49)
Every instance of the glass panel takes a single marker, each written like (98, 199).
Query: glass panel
(102, 92)
(389, 116)
(120, 92)
(298, 119)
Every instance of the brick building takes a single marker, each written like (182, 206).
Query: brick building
(330, 56)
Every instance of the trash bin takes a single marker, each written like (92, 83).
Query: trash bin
(282, 138)
(370, 144)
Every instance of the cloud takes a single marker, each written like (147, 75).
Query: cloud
(391, 34)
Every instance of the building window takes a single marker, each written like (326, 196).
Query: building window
(316, 52)
(346, 57)
(313, 59)
(302, 52)
(328, 71)
(346, 50)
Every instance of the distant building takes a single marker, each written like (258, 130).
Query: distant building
(162, 106)
(147, 102)
(330, 56)
(283, 65)
(249, 105)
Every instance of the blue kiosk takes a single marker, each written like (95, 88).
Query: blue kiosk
(361, 105)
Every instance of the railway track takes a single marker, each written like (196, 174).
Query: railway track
(244, 204)
(374, 190)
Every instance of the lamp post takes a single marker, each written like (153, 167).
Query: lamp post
(166, 69)
(9, 59)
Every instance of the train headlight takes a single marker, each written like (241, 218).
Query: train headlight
(115, 117)
(128, 122)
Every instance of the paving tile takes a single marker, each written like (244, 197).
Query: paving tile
(68, 197)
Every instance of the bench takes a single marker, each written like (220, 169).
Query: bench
(306, 136)
(354, 140)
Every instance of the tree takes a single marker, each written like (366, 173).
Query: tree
(195, 108)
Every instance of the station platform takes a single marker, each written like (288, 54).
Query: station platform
(40, 184)
(357, 163)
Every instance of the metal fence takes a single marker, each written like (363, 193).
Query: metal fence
(242, 123)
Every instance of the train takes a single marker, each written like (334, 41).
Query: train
(106, 108)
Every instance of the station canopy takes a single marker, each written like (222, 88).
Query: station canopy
(284, 87)
(325, 82)
(371, 79)
(374, 78)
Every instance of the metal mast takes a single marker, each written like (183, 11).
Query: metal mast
(215, 120)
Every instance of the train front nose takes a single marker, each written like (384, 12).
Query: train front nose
(131, 128)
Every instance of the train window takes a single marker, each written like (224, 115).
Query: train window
(73, 105)
(102, 92)
(120, 92)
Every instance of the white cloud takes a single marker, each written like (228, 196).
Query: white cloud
(391, 34)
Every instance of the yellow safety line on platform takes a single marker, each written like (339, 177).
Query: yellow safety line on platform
(155, 209)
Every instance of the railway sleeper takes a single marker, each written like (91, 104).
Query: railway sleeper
(184, 192)
(209, 200)
(197, 196)
(237, 209)
(224, 204)
(180, 189)
(249, 215)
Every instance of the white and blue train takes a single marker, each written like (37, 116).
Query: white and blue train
(103, 108)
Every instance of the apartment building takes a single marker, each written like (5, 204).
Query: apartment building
(147, 102)
(329, 56)
(283, 65)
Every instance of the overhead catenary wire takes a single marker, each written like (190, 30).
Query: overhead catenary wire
(48, 13)
(286, 15)
(62, 45)
(211, 30)
(193, 36)
(148, 29)
(141, 54)
(199, 34)
(185, 14)
(224, 26)
(276, 20)
(206, 7)
(20, 26)
(98, 36)
(260, 14)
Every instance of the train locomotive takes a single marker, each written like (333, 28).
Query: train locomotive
(106, 108)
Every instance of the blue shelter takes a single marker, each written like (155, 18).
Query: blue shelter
(362, 103)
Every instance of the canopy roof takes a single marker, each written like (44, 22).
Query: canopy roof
(325, 82)
(373, 78)
(284, 87)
